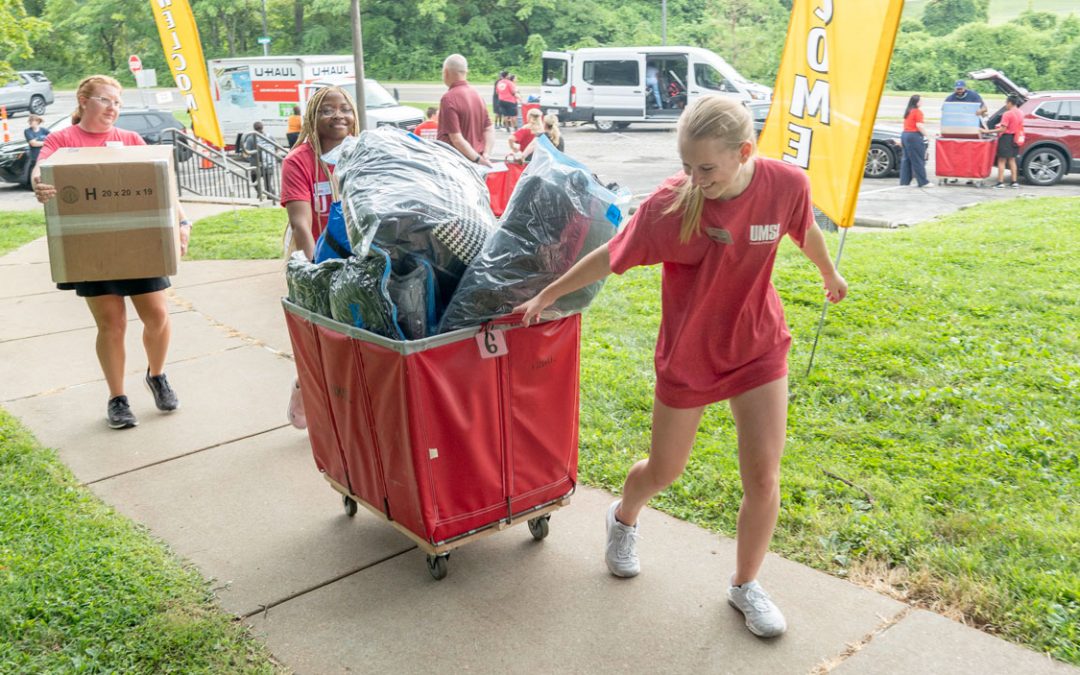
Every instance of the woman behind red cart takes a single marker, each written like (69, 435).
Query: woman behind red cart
(306, 173)
(520, 139)
(92, 125)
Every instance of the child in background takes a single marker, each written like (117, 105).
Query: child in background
(429, 128)
(716, 227)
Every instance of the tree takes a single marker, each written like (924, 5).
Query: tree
(942, 17)
(17, 33)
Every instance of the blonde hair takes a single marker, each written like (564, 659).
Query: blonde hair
(709, 118)
(87, 88)
(551, 128)
(309, 130)
(534, 120)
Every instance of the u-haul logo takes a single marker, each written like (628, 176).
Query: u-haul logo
(323, 71)
(764, 234)
(276, 73)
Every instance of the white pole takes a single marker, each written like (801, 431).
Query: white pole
(825, 305)
(358, 65)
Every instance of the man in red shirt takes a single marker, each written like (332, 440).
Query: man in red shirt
(463, 118)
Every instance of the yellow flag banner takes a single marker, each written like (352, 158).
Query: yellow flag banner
(183, 51)
(826, 96)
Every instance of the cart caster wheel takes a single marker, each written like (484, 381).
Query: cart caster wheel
(437, 565)
(539, 527)
(350, 505)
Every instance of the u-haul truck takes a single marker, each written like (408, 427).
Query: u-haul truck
(265, 88)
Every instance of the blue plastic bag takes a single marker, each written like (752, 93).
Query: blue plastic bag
(334, 240)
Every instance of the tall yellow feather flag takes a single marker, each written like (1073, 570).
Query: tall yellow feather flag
(183, 51)
(826, 96)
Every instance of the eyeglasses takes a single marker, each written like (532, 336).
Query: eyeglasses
(330, 112)
(108, 102)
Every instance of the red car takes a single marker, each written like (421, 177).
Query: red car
(1051, 128)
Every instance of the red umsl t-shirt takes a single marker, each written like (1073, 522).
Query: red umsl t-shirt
(427, 130)
(524, 136)
(76, 137)
(722, 328)
(302, 181)
(1013, 122)
(506, 91)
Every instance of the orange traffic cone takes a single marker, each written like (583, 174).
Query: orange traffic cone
(3, 124)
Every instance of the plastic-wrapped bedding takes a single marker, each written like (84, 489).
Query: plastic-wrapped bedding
(309, 283)
(408, 195)
(558, 213)
(360, 295)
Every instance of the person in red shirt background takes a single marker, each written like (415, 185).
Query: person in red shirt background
(507, 91)
(429, 128)
(1010, 140)
(520, 139)
(716, 227)
(913, 142)
(464, 122)
(306, 192)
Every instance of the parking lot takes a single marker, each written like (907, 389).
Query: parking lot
(641, 156)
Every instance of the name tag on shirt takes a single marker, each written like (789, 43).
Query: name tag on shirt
(719, 235)
(114, 144)
(322, 188)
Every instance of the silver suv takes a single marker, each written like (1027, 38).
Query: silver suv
(30, 91)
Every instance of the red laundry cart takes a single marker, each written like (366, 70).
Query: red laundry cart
(524, 112)
(449, 438)
(501, 185)
(970, 158)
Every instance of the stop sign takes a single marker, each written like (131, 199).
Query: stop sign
(134, 63)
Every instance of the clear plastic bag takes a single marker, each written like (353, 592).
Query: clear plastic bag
(558, 213)
(360, 295)
(413, 196)
(309, 283)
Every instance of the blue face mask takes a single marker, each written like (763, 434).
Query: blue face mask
(331, 157)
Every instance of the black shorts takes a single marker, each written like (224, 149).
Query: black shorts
(1006, 147)
(124, 287)
(509, 109)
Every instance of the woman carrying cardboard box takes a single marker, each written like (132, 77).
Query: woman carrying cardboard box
(93, 125)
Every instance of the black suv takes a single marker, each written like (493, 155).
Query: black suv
(883, 158)
(150, 124)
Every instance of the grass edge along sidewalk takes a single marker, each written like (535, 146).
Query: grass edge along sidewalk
(83, 589)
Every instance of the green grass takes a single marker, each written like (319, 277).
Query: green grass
(20, 227)
(83, 590)
(242, 234)
(946, 386)
(1002, 11)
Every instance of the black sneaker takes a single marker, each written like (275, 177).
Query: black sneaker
(120, 415)
(164, 396)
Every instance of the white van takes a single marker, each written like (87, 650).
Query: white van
(609, 86)
(265, 88)
(380, 105)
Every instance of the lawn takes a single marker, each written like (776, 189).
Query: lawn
(84, 590)
(933, 451)
(946, 388)
(20, 227)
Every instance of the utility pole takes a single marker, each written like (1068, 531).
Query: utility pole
(358, 65)
(663, 21)
(266, 33)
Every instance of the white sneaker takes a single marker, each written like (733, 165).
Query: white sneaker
(621, 555)
(295, 412)
(763, 617)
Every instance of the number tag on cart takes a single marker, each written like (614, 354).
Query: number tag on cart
(492, 343)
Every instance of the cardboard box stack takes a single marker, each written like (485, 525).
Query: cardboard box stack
(114, 215)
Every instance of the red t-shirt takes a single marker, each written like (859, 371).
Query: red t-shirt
(1013, 122)
(913, 118)
(722, 328)
(524, 136)
(506, 90)
(301, 181)
(76, 137)
(427, 130)
(461, 111)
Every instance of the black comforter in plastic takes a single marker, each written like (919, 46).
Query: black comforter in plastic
(309, 283)
(558, 213)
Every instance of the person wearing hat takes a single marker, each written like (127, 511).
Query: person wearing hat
(961, 94)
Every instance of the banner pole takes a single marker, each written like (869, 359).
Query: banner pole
(825, 305)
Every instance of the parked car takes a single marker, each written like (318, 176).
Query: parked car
(883, 158)
(30, 91)
(150, 124)
(1051, 146)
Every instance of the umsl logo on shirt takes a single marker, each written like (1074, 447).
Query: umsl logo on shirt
(764, 234)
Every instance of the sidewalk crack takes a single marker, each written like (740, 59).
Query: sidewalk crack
(828, 664)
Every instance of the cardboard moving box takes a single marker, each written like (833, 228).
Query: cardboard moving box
(114, 215)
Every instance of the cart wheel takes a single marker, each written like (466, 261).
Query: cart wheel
(350, 505)
(539, 527)
(437, 564)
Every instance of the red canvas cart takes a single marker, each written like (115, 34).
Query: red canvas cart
(449, 438)
(967, 158)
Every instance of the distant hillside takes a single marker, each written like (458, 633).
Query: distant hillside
(1004, 10)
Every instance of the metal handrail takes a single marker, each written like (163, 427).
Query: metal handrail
(206, 171)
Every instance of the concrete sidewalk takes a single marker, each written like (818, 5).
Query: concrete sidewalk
(230, 487)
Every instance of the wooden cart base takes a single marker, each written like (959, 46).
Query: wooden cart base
(438, 553)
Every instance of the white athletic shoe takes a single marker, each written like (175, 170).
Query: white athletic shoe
(763, 617)
(621, 555)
